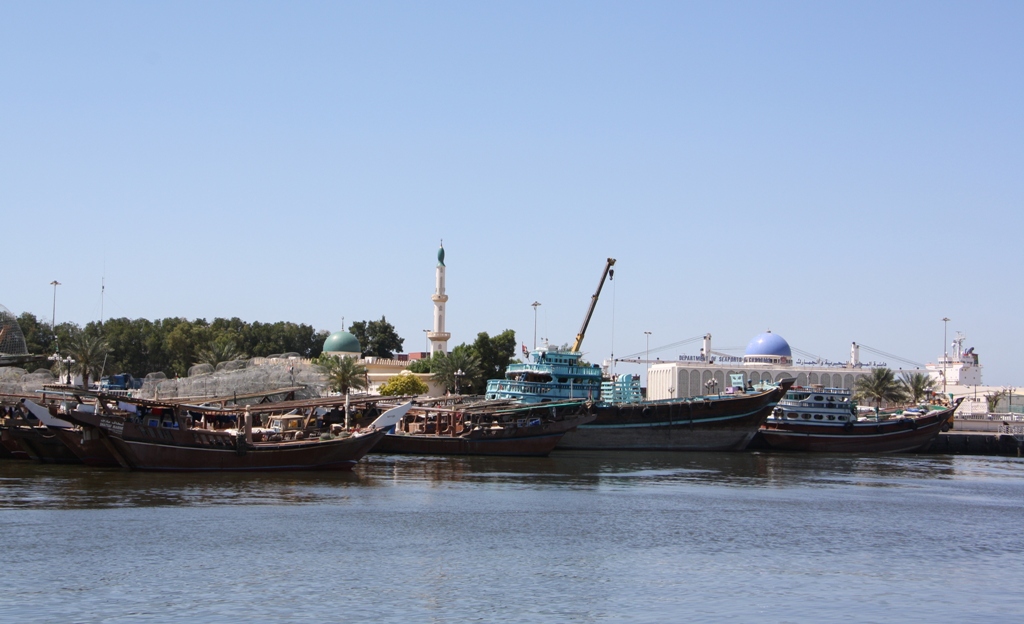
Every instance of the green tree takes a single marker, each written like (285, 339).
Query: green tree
(993, 398)
(182, 341)
(377, 338)
(89, 354)
(917, 386)
(38, 338)
(344, 374)
(459, 371)
(403, 384)
(426, 365)
(130, 343)
(494, 354)
(222, 349)
(881, 385)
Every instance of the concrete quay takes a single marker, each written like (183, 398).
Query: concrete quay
(999, 435)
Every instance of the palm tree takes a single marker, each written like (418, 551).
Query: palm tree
(89, 354)
(345, 374)
(917, 385)
(219, 351)
(881, 385)
(458, 371)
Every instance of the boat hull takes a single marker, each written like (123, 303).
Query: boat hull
(141, 447)
(339, 454)
(907, 435)
(719, 424)
(544, 426)
(88, 447)
(11, 446)
(43, 445)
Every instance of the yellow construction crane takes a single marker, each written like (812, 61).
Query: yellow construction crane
(608, 273)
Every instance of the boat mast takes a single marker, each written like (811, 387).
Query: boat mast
(608, 273)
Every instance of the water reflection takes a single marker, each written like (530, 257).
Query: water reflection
(28, 485)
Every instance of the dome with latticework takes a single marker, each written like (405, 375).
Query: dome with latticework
(12, 341)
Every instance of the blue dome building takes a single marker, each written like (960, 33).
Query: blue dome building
(768, 348)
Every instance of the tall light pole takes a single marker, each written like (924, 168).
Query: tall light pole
(647, 335)
(945, 324)
(458, 375)
(426, 341)
(53, 314)
(535, 304)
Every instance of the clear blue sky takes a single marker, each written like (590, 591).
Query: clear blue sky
(834, 171)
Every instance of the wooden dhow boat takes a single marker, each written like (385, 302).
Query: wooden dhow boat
(825, 420)
(485, 427)
(85, 443)
(155, 436)
(13, 414)
(623, 421)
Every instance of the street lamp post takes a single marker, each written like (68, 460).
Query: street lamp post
(945, 323)
(458, 375)
(647, 357)
(426, 341)
(53, 314)
(535, 304)
(67, 364)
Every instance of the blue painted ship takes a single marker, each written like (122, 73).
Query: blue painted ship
(624, 421)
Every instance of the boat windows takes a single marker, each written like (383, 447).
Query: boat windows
(818, 417)
(819, 398)
(831, 417)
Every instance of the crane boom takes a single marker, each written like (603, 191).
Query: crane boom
(609, 273)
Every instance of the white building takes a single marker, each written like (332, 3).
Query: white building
(768, 357)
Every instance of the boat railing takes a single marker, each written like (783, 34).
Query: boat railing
(556, 369)
(990, 416)
(538, 388)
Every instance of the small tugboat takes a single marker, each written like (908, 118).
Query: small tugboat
(485, 428)
(623, 420)
(825, 420)
(167, 437)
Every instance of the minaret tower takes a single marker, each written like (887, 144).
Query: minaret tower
(439, 337)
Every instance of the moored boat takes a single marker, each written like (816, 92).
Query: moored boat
(623, 421)
(10, 417)
(486, 428)
(43, 445)
(165, 439)
(826, 420)
(85, 443)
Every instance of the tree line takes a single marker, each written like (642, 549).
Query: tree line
(171, 345)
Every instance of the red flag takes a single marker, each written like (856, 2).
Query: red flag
(526, 351)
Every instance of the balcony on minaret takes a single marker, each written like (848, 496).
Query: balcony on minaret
(441, 298)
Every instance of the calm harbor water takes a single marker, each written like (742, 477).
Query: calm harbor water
(633, 537)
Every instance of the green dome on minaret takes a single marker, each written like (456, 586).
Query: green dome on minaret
(342, 342)
(440, 255)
